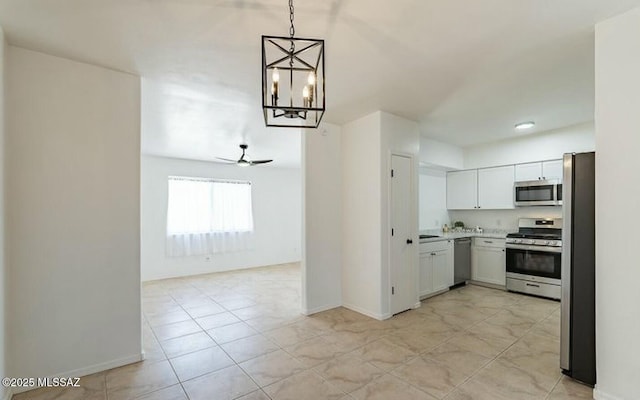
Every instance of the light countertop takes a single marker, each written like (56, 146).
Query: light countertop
(493, 233)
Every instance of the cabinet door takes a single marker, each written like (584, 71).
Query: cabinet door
(495, 188)
(442, 270)
(529, 172)
(552, 169)
(489, 265)
(462, 190)
(426, 274)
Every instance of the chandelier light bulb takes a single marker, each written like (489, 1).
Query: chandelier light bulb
(274, 86)
(312, 78)
(305, 95)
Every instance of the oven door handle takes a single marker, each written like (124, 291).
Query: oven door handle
(543, 249)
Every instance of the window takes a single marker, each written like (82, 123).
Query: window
(207, 216)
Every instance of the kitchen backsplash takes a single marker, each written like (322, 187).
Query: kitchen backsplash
(503, 219)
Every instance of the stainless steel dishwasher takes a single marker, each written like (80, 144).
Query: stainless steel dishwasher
(462, 261)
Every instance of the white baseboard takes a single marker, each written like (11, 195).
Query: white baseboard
(90, 370)
(368, 313)
(320, 309)
(8, 394)
(600, 395)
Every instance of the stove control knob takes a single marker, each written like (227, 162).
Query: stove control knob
(518, 240)
(530, 242)
(547, 243)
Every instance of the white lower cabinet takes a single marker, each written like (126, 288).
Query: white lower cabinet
(426, 274)
(442, 271)
(436, 267)
(488, 261)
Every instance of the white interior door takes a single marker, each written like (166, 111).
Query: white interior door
(402, 250)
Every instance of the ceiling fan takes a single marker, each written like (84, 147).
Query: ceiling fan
(243, 161)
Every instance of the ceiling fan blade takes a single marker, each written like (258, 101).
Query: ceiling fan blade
(227, 160)
(260, 162)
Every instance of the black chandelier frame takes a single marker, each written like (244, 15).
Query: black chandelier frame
(302, 61)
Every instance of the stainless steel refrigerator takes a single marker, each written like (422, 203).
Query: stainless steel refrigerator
(578, 317)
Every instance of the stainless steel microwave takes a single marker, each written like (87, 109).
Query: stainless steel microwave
(538, 193)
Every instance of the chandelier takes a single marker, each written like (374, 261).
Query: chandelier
(292, 80)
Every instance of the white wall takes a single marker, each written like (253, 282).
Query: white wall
(3, 281)
(435, 158)
(617, 167)
(440, 155)
(432, 198)
(544, 146)
(367, 146)
(362, 221)
(322, 219)
(73, 220)
(277, 211)
(399, 136)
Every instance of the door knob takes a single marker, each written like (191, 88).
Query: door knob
(409, 241)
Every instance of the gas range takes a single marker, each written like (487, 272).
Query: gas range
(537, 232)
(533, 257)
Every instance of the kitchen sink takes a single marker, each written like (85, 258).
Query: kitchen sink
(428, 236)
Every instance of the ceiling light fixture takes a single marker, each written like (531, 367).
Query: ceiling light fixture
(525, 125)
(292, 80)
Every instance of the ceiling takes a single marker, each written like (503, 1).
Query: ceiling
(466, 70)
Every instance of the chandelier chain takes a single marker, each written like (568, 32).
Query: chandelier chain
(292, 29)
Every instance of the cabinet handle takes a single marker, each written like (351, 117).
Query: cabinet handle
(409, 241)
(488, 241)
(433, 254)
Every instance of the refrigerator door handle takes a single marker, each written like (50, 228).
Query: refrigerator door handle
(565, 301)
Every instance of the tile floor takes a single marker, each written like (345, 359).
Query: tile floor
(239, 335)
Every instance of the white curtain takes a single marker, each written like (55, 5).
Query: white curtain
(207, 216)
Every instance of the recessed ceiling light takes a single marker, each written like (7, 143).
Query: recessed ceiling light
(525, 125)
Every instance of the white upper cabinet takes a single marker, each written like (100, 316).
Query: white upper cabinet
(552, 169)
(495, 188)
(492, 188)
(487, 188)
(539, 171)
(462, 190)
(529, 172)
